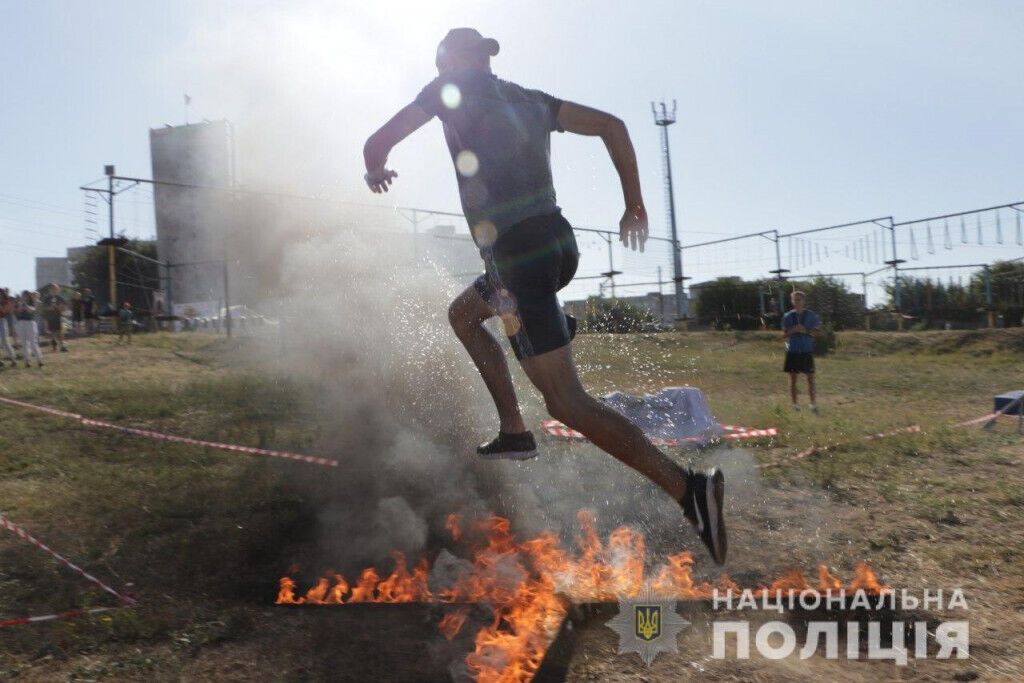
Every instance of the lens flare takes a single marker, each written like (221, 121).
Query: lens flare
(485, 233)
(467, 163)
(451, 96)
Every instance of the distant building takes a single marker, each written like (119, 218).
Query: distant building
(453, 253)
(52, 269)
(191, 222)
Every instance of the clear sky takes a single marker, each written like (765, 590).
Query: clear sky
(791, 114)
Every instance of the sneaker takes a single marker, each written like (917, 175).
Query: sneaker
(509, 447)
(63, 349)
(40, 363)
(796, 407)
(702, 505)
(814, 408)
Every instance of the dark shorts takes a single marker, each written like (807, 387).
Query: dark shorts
(799, 362)
(53, 322)
(526, 267)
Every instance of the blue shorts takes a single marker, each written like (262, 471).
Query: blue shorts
(526, 266)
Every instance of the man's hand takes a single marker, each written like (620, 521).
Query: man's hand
(633, 227)
(798, 329)
(379, 180)
(576, 118)
(380, 144)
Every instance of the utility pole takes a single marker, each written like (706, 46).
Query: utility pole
(112, 243)
(895, 263)
(864, 288)
(611, 264)
(111, 255)
(661, 298)
(778, 272)
(664, 118)
(988, 298)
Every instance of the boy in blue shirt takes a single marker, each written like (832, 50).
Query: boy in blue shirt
(801, 325)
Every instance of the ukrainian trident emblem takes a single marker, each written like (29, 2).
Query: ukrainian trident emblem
(648, 621)
(647, 625)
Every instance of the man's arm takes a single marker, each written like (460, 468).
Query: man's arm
(380, 144)
(581, 120)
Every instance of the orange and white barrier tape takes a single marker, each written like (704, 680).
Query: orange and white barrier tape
(813, 450)
(29, 538)
(557, 429)
(161, 436)
(71, 614)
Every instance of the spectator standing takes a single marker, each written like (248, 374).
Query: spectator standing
(76, 311)
(801, 325)
(125, 322)
(53, 311)
(89, 310)
(6, 326)
(11, 320)
(28, 329)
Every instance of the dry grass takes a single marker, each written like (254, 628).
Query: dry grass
(202, 536)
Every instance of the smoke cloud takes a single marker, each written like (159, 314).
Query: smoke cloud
(398, 399)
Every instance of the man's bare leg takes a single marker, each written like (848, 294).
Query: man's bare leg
(793, 389)
(554, 374)
(467, 315)
(810, 388)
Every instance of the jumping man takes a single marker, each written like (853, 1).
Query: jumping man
(498, 134)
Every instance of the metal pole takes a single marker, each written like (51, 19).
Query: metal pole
(988, 298)
(661, 298)
(677, 255)
(778, 273)
(611, 265)
(897, 298)
(664, 119)
(111, 255)
(864, 288)
(227, 301)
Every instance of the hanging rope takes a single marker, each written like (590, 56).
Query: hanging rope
(913, 245)
(1020, 236)
(999, 229)
(946, 238)
(931, 242)
(980, 240)
(963, 230)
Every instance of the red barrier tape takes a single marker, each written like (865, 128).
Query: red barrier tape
(25, 536)
(72, 614)
(556, 428)
(160, 436)
(812, 450)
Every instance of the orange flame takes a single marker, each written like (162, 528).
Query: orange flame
(527, 584)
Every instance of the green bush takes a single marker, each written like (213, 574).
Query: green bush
(825, 343)
(617, 316)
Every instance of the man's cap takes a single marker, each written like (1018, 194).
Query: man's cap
(467, 41)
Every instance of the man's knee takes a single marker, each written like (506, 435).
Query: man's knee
(458, 317)
(565, 404)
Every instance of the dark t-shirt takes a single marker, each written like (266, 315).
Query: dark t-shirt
(53, 305)
(499, 136)
(88, 301)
